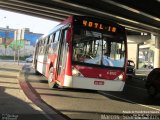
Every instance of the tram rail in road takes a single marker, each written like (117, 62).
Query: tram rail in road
(89, 104)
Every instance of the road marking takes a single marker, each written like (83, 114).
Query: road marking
(129, 101)
(136, 87)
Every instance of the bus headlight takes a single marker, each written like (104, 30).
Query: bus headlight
(75, 72)
(120, 77)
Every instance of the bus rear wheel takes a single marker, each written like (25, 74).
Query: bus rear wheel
(51, 83)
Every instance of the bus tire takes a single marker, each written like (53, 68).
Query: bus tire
(50, 77)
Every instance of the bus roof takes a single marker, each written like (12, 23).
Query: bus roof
(70, 20)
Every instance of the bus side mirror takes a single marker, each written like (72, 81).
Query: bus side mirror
(68, 36)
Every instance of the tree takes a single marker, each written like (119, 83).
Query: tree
(16, 45)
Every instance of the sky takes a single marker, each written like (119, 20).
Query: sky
(18, 21)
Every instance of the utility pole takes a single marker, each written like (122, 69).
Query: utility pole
(20, 41)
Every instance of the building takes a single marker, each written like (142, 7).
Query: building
(141, 49)
(13, 39)
(6, 35)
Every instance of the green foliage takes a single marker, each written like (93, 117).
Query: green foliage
(17, 44)
(4, 45)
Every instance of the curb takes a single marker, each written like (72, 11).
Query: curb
(48, 111)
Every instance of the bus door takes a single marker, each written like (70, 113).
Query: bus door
(35, 56)
(62, 55)
(45, 59)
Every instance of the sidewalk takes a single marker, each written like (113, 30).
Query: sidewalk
(14, 105)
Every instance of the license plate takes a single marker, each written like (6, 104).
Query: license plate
(98, 82)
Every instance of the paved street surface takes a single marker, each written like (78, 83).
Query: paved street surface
(26, 96)
(88, 104)
(14, 104)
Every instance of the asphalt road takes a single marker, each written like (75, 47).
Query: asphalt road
(132, 103)
(14, 105)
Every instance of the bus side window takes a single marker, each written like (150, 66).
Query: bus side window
(56, 36)
(51, 39)
(43, 44)
(40, 46)
(46, 44)
(48, 39)
(44, 41)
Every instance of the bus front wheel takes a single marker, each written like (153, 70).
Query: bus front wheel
(51, 83)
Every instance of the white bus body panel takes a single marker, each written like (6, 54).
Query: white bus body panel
(88, 83)
(40, 63)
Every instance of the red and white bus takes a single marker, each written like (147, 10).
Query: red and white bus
(83, 52)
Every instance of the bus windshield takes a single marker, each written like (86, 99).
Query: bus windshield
(96, 48)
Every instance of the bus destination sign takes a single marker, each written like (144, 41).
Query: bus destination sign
(99, 26)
